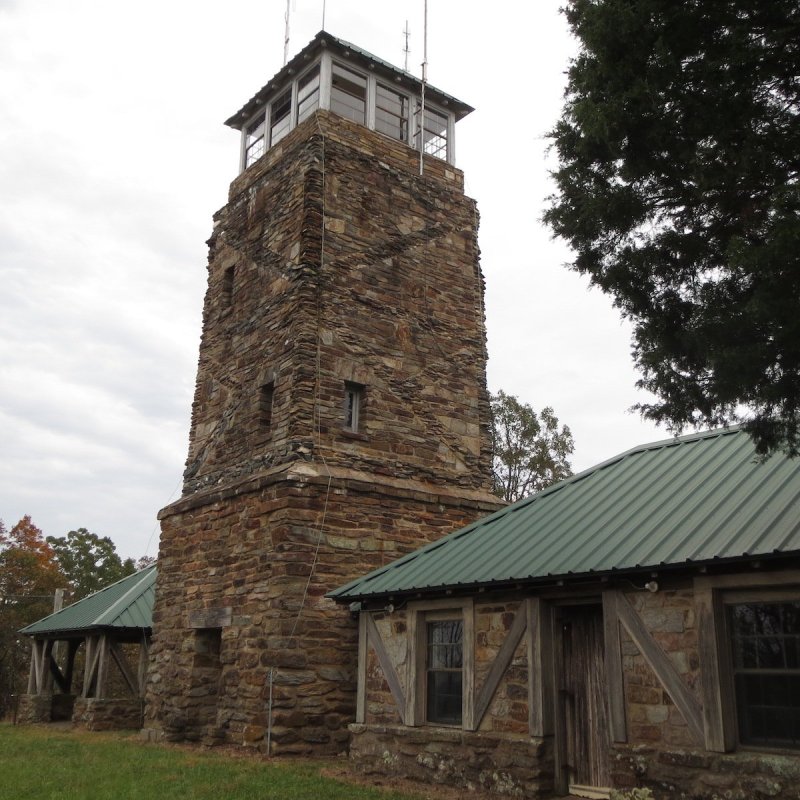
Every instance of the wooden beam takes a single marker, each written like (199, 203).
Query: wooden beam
(540, 667)
(716, 685)
(468, 668)
(663, 668)
(361, 686)
(33, 672)
(500, 664)
(389, 671)
(615, 694)
(124, 667)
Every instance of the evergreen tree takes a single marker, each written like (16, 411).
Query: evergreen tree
(679, 191)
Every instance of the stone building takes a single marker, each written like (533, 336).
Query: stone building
(340, 417)
(635, 625)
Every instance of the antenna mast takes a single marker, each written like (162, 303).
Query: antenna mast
(323, 15)
(422, 93)
(286, 34)
(406, 33)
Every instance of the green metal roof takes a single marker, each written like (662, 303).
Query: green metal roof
(691, 500)
(125, 604)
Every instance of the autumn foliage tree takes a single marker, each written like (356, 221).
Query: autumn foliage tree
(29, 577)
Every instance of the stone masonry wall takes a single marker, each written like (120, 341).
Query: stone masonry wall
(653, 719)
(506, 764)
(500, 757)
(253, 553)
(334, 261)
(387, 294)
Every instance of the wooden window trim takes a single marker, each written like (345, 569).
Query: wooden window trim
(711, 594)
(419, 613)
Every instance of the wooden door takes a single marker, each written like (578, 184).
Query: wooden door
(583, 721)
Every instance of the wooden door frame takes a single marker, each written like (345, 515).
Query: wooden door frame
(560, 778)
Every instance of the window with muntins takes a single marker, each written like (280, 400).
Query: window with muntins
(255, 143)
(444, 663)
(348, 93)
(765, 656)
(280, 117)
(307, 94)
(391, 112)
(434, 134)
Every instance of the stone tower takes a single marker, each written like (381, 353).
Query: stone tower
(340, 416)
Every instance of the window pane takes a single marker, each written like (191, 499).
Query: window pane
(391, 113)
(254, 141)
(348, 93)
(281, 117)
(444, 664)
(434, 134)
(764, 642)
(444, 697)
(308, 94)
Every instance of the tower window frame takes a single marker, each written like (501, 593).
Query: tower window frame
(255, 141)
(349, 93)
(309, 87)
(435, 131)
(391, 112)
(280, 116)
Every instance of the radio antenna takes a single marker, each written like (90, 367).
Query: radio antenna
(406, 33)
(286, 34)
(422, 93)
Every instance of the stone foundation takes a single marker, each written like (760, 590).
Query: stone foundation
(34, 708)
(505, 764)
(106, 715)
(699, 775)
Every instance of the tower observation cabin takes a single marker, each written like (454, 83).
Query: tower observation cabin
(334, 75)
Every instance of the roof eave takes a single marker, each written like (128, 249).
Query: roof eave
(569, 578)
(325, 40)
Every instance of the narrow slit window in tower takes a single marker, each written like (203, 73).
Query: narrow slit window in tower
(265, 399)
(353, 405)
(227, 287)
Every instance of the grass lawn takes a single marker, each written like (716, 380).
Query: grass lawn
(46, 763)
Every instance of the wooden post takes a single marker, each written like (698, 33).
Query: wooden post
(361, 687)
(614, 673)
(540, 668)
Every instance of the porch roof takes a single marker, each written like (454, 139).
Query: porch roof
(124, 605)
(694, 500)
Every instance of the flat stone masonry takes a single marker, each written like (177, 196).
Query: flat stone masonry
(333, 263)
(510, 765)
(97, 714)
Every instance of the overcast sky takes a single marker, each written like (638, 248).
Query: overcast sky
(113, 157)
